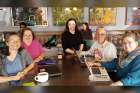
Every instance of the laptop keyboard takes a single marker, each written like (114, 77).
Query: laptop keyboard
(96, 70)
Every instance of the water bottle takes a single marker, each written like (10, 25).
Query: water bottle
(60, 54)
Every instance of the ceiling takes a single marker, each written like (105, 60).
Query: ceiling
(70, 3)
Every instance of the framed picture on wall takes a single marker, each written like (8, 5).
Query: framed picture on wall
(133, 16)
(102, 16)
(31, 16)
(62, 14)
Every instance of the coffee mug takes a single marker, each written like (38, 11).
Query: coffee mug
(42, 77)
(60, 56)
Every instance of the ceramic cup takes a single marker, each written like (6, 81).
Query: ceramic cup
(42, 77)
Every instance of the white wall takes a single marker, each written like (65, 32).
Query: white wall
(6, 24)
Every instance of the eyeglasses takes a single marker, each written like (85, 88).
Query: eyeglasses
(12, 41)
(101, 34)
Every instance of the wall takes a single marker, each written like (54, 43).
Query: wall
(6, 24)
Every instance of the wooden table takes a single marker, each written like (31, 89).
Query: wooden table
(73, 74)
(73, 80)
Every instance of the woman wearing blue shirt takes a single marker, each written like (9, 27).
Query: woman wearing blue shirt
(127, 69)
(14, 59)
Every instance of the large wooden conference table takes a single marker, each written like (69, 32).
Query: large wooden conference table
(74, 74)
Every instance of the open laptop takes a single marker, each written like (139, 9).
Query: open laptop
(83, 58)
(99, 74)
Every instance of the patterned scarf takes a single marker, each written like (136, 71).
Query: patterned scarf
(129, 58)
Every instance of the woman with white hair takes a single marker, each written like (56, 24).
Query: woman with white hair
(102, 49)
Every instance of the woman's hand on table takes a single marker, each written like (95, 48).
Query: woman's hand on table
(18, 76)
(27, 69)
(98, 57)
(90, 77)
(91, 64)
(118, 83)
(70, 51)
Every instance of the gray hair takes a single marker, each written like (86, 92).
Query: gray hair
(100, 27)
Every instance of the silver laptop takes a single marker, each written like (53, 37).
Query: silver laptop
(99, 74)
(84, 58)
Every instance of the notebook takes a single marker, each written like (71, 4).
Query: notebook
(53, 70)
(47, 61)
(29, 84)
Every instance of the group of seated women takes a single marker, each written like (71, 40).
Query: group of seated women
(127, 68)
(24, 50)
(73, 39)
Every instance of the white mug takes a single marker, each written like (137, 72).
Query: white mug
(42, 77)
(59, 56)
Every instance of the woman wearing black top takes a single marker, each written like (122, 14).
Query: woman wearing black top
(87, 35)
(71, 38)
(86, 31)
